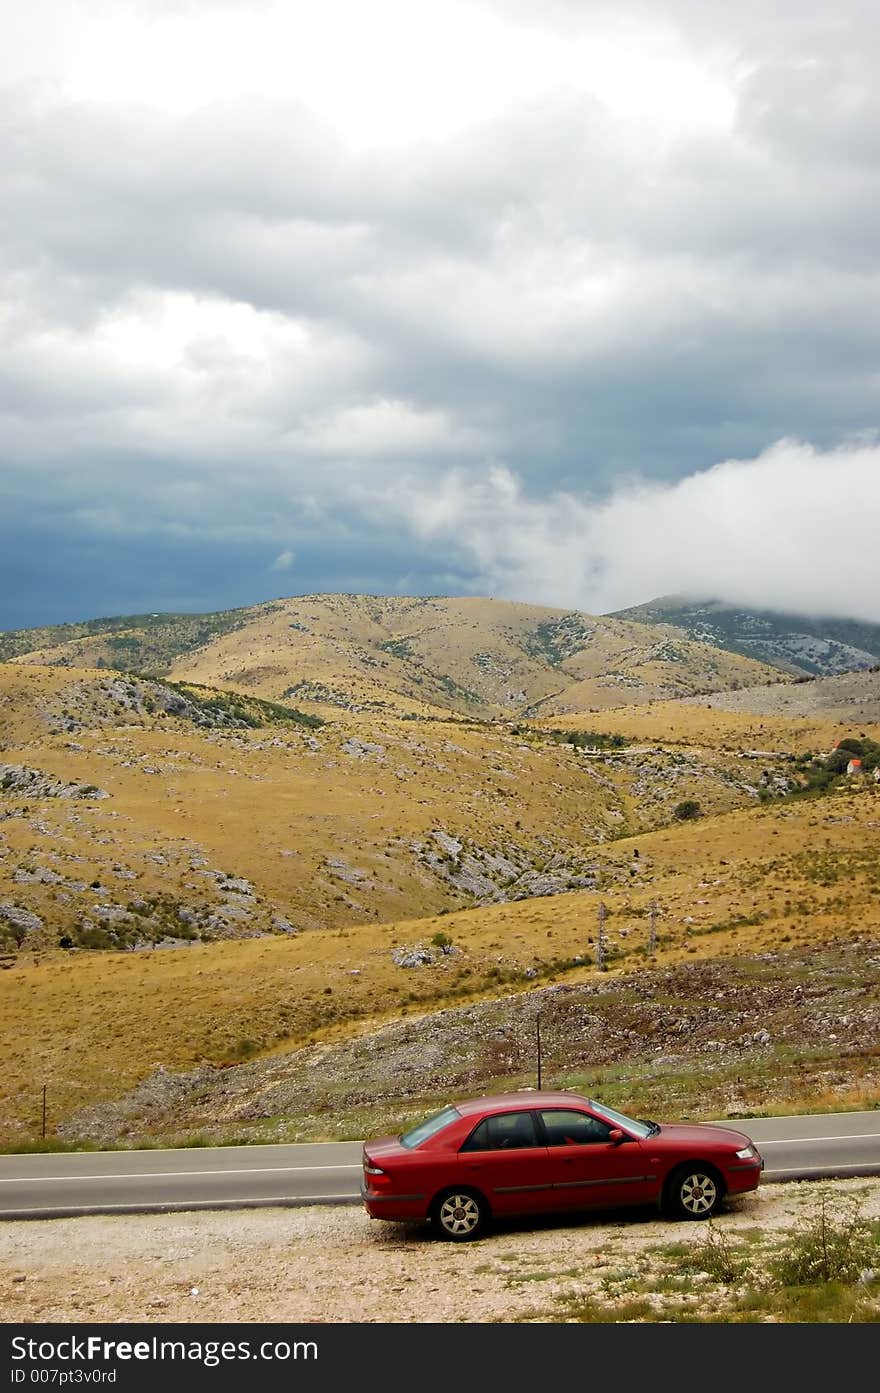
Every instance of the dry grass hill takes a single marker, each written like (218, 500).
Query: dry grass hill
(783, 898)
(135, 812)
(476, 657)
(329, 812)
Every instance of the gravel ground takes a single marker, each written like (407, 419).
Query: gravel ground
(336, 1265)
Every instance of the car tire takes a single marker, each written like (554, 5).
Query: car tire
(459, 1215)
(694, 1191)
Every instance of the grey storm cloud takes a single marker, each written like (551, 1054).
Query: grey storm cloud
(228, 314)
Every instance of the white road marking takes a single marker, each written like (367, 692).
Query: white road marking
(849, 1166)
(174, 1175)
(793, 1141)
(87, 1209)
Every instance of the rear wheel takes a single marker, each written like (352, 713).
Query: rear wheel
(694, 1192)
(460, 1215)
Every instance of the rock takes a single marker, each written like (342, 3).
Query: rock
(41, 876)
(23, 782)
(20, 918)
(341, 870)
(283, 925)
(363, 749)
(417, 956)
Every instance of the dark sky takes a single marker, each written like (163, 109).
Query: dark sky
(573, 303)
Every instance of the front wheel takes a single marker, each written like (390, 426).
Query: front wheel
(460, 1215)
(694, 1192)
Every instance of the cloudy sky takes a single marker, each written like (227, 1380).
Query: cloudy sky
(575, 303)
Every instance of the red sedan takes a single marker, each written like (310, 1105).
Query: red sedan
(550, 1153)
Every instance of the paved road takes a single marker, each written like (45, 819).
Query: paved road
(233, 1177)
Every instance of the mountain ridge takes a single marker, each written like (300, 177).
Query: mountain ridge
(797, 644)
(471, 656)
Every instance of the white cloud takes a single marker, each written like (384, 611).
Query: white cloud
(387, 429)
(390, 73)
(795, 528)
(283, 561)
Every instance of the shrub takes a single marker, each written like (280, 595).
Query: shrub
(687, 810)
(717, 1257)
(833, 1244)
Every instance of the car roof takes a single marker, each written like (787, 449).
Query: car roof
(524, 1098)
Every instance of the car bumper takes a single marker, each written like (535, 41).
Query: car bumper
(384, 1206)
(744, 1176)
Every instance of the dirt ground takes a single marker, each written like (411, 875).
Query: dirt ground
(336, 1265)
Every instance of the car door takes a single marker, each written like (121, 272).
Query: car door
(587, 1168)
(505, 1158)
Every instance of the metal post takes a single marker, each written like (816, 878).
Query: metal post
(44, 1110)
(600, 939)
(538, 1042)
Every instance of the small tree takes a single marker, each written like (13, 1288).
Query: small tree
(687, 810)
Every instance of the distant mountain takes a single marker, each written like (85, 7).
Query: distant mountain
(791, 642)
(425, 655)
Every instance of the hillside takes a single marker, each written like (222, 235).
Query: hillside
(359, 653)
(757, 887)
(313, 871)
(150, 641)
(793, 643)
(135, 811)
(852, 697)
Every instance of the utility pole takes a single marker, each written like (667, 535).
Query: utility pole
(538, 1044)
(600, 938)
(652, 931)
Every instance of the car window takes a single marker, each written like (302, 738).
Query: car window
(619, 1119)
(567, 1128)
(430, 1127)
(506, 1131)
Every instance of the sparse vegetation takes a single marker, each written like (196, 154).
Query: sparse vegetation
(824, 1268)
(158, 639)
(833, 1243)
(281, 797)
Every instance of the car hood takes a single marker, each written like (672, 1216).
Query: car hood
(680, 1134)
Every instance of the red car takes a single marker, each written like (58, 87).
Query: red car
(550, 1153)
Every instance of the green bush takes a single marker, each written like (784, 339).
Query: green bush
(687, 810)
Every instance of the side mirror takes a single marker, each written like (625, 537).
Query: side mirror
(615, 1136)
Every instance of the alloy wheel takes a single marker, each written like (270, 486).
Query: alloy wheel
(460, 1215)
(698, 1194)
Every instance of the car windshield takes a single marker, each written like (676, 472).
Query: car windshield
(619, 1119)
(416, 1135)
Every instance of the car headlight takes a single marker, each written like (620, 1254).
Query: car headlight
(747, 1153)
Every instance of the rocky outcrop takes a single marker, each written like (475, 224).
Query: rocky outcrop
(20, 781)
(20, 919)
